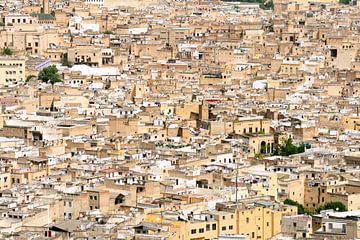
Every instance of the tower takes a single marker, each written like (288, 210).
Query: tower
(45, 6)
(204, 111)
(117, 145)
(117, 152)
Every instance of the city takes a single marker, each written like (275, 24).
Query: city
(179, 119)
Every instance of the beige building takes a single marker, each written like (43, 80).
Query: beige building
(12, 70)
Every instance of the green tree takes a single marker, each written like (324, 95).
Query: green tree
(261, 131)
(263, 4)
(7, 51)
(28, 78)
(287, 148)
(108, 32)
(347, 2)
(50, 75)
(266, 5)
(301, 148)
(300, 207)
(259, 156)
(65, 61)
(336, 206)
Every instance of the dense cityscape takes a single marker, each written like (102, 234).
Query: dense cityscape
(179, 119)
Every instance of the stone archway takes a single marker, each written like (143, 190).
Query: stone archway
(263, 147)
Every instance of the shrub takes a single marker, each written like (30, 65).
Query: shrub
(7, 51)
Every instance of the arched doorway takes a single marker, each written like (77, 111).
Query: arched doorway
(263, 149)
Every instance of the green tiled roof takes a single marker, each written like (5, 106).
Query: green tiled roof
(43, 16)
(264, 203)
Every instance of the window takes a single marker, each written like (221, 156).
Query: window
(252, 234)
(193, 231)
(231, 227)
(207, 227)
(223, 228)
(247, 220)
(201, 230)
(223, 217)
(214, 226)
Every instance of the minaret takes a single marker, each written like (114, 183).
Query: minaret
(45, 7)
(117, 152)
(117, 145)
(204, 111)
